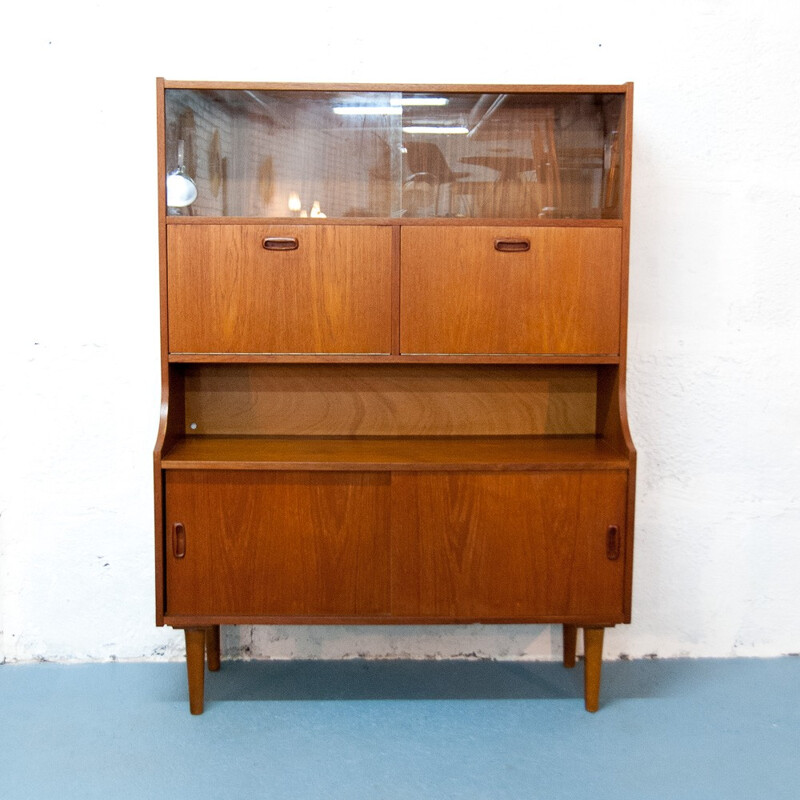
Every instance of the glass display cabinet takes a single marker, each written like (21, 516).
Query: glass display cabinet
(393, 359)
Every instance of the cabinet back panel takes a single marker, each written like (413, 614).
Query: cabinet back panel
(389, 400)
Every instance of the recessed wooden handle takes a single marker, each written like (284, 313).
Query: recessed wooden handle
(612, 543)
(512, 245)
(178, 540)
(281, 243)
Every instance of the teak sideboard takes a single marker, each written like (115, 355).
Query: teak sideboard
(393, 329)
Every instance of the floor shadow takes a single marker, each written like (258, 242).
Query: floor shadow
(392, 680)
(448, 680)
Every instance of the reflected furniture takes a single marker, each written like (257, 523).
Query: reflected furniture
(377, 410)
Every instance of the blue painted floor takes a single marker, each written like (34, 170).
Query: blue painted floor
(676, 729)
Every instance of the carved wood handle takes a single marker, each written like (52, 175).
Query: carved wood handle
(512, 245)
(280, 243)
(178, 540)
(612, 543)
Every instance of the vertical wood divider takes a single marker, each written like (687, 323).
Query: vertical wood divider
(396, 290)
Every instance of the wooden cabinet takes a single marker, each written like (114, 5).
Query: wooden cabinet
(393, 360)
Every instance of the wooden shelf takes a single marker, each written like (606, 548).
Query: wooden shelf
(388, 453)
(350, 358)
(506, 222)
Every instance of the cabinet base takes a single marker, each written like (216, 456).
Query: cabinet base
(203, 647)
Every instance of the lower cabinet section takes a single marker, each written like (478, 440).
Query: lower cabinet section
(243, 543)
(508, 546)
(396, 546)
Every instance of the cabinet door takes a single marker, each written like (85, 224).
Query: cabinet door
(310, 289)
(477, 290)
(277, 543)
(510, 546)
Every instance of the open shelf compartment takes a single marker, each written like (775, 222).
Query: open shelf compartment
(394, 417)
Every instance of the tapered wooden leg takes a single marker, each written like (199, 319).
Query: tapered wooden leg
(570, 636)
(593, 662)
(212, 648)
(196, 667)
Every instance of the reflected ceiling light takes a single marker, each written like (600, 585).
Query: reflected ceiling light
(355, 110)
(419, 101)
(435, 129)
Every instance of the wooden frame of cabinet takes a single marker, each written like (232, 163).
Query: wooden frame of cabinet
(399, 419)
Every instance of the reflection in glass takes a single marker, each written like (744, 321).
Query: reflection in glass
(390, 154)
(181, 189)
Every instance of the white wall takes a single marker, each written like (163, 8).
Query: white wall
(714, 372)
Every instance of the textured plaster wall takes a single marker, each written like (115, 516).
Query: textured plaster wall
(714, 373)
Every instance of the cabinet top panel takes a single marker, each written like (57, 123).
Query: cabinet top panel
(621, 88)
(355, 151)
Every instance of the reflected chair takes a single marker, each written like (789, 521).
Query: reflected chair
(429, 175)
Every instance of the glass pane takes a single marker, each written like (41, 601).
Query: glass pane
(389, 154)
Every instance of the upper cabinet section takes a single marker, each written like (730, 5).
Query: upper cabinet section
(395, 154)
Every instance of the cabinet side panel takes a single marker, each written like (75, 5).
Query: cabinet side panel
(162, 435)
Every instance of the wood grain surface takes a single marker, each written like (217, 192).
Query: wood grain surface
(279, 543)
(389, 400)
(387, 453)
(227, 294)
(507, 545)
(460, 295)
